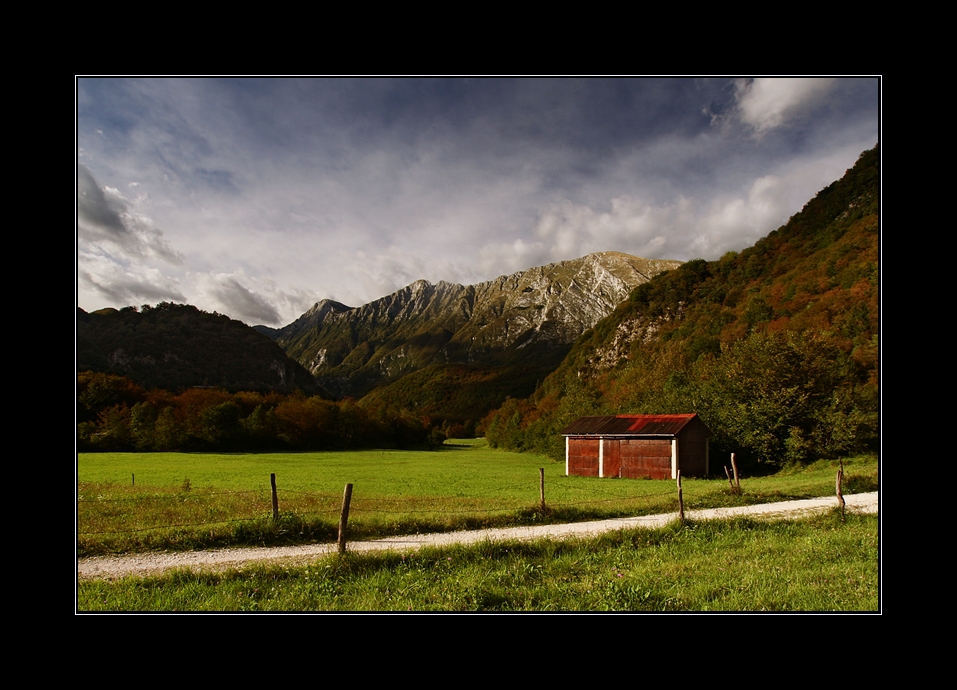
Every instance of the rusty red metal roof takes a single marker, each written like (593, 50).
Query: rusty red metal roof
(629, 425)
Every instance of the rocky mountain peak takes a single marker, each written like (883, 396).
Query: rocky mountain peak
(545, 308)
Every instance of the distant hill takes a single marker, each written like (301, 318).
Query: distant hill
(177, 346)
(776, 347)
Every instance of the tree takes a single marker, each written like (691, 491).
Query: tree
(167, 432)
(221, 425)
(143, 425)
(772, 394)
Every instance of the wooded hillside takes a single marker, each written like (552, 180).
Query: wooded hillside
(177, 346)
(776, 347)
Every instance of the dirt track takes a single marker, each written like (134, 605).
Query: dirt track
(112, 567)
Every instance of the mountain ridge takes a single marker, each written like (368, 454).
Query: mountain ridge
(541, 310)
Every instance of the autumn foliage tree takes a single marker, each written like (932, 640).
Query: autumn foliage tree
(114, 414)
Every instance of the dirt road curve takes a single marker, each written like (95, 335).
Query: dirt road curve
(111, 567)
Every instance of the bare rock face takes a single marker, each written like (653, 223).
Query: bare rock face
(526, 315)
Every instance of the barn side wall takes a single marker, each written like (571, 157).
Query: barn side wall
(583, 457)
(645, 457)
(638, 458)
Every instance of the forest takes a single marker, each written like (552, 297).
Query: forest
(116, 414)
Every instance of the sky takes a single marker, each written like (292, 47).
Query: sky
(257, 198)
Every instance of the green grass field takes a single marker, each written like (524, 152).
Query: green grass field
(454, 469)
(195, 500)
(818, 564)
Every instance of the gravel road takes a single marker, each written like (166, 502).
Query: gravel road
(113, 567)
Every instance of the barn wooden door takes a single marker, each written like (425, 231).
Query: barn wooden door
(611, 457)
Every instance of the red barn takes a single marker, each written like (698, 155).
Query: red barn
(637, 446)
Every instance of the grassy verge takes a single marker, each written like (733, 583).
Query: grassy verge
(819, 564)
(188, 501)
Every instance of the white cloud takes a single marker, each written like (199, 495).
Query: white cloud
(766, 103)
(101, 278)
(375, 275)
(631, 225)
(684, 228)
(504, 258)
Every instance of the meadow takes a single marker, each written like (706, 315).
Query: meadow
(823, 563)
(129, 502)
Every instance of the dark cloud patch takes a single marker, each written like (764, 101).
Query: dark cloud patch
(103, 215)
(581, 113)
(241, 303)
(99, 217)
(220, 180)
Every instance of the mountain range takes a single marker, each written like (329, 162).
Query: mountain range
(516, 326)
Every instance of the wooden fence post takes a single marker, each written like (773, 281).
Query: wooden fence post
(737, 480)
(541, 486)
(275, 497)
(728, 475)
(839, 480)
(681, 502)
(344, 517)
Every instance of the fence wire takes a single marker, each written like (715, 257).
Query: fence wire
(368, 506)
